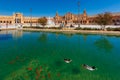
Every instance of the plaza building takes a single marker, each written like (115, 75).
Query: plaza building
(83, 19)
(17, 18)
(68, 18)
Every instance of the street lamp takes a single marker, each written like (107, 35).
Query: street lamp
(30, 17)
(78, 13)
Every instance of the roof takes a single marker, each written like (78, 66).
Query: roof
(116, 14)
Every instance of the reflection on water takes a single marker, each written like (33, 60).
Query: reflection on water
(67, 34)
(85, 37)
(17, 33)
(5, 36)
(40, 56)
(43, 37)
(8, 34)
(104, 44)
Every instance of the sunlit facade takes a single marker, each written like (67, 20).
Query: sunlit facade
(17, 18)
(84, 18)
(69, 18)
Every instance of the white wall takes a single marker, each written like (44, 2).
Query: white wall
(3, 26)
(98, 26)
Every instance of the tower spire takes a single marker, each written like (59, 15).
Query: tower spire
(84, 11)
(57, 13)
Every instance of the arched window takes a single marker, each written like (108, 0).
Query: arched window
(113, 20)
(118, 20)
(81, 22)
(95, 21)
(89, 21)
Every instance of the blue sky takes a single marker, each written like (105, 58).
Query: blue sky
(49, 7)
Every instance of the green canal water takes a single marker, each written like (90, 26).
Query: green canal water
(40, 56)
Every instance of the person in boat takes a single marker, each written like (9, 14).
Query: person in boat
(91, 68)
(67, 60)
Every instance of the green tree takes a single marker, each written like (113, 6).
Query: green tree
(104, 19)
(42, 21)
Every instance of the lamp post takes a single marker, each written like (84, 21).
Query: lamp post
(30, 17)
(78, 13)
(16, 21)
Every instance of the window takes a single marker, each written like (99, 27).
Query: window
(16, 15)
(17, 20)
(89, 21)
(118, 20)
(113, 20)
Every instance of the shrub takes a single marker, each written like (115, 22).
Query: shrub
(78, 28)
(55, 28)
(37, 27)
(86, 28)
(113, 29)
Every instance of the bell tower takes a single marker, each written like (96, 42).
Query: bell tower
(56, 17)
(85, 13)
(57, 13)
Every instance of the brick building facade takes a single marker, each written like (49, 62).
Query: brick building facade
(68, 18)
(84, 19)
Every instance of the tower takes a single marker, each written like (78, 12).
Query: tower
(85, 21)
(85, 13)
(57, 13)
(56, 17)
